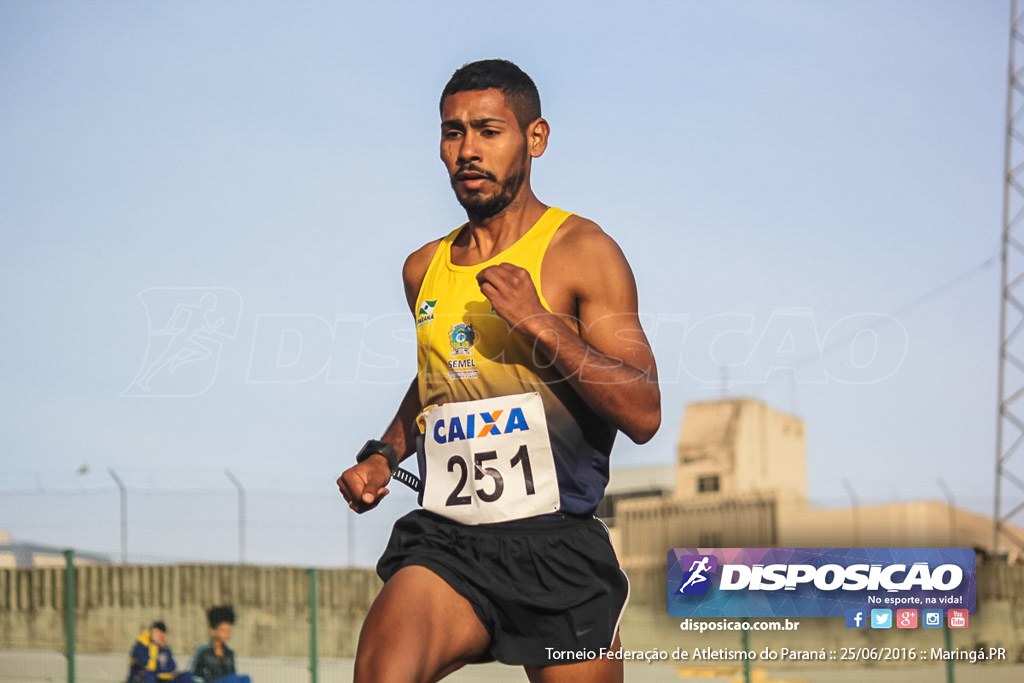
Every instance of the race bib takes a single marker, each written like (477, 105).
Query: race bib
(489, 460)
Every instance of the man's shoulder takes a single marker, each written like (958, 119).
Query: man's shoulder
(583, 238)
(419, 260)
(415, 269)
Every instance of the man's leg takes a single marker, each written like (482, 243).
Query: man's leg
(592, 671)
(418, 630)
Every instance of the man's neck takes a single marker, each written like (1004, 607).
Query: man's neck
(490, 236)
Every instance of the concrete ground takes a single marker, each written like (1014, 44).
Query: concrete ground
(48, 667)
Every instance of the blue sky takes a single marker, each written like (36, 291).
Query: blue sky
(768, 168)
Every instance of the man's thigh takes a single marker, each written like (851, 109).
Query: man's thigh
(418, 629)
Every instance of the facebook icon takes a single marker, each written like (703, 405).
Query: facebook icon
(855, 618)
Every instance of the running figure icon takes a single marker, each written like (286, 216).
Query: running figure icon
(697, 573)
(190, 328)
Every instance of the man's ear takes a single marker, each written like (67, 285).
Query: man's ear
(537, 137)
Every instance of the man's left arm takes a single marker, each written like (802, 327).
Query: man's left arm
(608, 361)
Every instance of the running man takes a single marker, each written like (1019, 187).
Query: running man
(530, 358)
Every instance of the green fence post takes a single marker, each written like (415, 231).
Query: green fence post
(314, 658)
(745, 639)
(69, 611)
(950, 676)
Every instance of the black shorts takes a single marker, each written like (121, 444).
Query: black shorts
(550, 582)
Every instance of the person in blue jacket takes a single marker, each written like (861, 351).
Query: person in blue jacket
(152, 660)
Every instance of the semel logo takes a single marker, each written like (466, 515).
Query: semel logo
(695, 580)
(477, 425)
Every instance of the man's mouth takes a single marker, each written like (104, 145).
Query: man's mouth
(469, 176)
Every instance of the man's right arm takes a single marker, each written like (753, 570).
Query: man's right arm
(364, 484)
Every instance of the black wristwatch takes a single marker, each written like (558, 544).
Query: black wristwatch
(374, 447)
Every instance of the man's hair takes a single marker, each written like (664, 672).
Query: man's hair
(221, 614)
(160, 626)
(519, 90)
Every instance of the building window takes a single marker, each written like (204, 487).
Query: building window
(707, 484)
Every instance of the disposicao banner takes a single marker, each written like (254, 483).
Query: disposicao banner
(818, 582)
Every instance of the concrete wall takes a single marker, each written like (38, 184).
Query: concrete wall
(923, 524)
(646, 528)
(115, 603)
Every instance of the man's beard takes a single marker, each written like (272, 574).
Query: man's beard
(479, 207)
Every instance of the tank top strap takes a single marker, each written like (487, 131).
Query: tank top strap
(534, 244)
(440, 259)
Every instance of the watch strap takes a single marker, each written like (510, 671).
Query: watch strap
(373, 447)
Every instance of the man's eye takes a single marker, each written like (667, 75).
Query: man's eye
(451, 134)
(489, 133)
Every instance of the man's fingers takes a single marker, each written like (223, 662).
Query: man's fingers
(369, 497)
(488, 289)
(352, 485)
(372, 495)
(364, 485)
(500, 272)
(344, 488)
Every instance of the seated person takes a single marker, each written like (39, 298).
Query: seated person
(151, 658)
(214, 662)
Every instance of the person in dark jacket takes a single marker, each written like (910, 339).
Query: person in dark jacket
(152, 660)
(214, 662)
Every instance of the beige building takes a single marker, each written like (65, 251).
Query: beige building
(740, 480)
(739, 447)
(23, 555)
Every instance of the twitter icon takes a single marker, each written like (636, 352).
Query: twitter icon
(881, 618)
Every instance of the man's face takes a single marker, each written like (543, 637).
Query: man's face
(222, 633)
(158, 637)
(484, 151)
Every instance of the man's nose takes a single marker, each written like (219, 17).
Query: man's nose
(469, 150)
